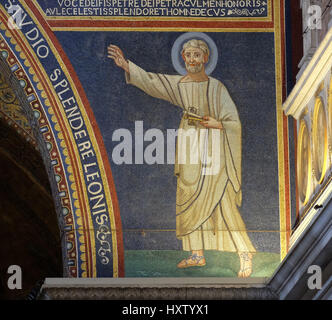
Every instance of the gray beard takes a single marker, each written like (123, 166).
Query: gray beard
(194, 69)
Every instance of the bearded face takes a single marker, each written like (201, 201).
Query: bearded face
(194, 68)
(194, 59)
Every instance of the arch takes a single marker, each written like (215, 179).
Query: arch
(319, 140)
(29, 231)
(304, 163)
(90, 224)
(33, 121)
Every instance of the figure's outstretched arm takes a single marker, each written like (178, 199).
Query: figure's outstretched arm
(115, 53)
(154, 84)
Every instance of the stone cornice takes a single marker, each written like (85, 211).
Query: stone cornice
(310, 79)
(157, 289)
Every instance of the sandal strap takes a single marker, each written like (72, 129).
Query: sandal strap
(245, 256)
(246, 268)
(196, 258)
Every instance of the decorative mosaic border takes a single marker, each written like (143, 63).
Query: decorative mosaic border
(46, 131)
(13, 114)
(89, 250)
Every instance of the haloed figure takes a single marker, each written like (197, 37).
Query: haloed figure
(207, 215)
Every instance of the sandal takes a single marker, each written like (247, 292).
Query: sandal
(246, 265)
(193, 261)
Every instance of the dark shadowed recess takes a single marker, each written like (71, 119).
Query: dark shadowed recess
(29, 233)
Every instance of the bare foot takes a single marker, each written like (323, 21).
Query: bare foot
(245, 265)
(193, 261)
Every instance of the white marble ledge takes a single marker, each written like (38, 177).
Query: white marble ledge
(155, 282)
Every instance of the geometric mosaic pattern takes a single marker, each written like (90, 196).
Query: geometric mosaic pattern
(11, 111)
(13, 114)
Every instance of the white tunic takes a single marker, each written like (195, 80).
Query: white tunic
(208, 194)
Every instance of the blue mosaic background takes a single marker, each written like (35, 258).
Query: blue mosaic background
(146, 193)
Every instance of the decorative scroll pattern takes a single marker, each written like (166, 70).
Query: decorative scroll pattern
(246, 12)
(11, 111)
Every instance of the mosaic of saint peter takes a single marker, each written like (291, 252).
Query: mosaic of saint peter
(207, 214)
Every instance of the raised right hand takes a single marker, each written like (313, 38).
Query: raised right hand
(117, 55)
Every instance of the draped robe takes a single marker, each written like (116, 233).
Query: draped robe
(208, 197)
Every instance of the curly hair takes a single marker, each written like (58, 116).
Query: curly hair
(196, 44)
